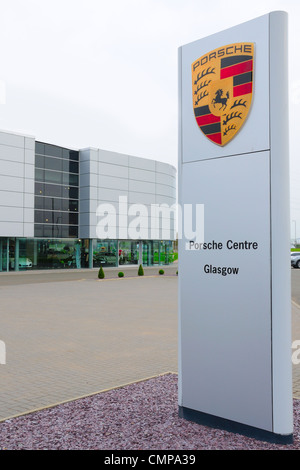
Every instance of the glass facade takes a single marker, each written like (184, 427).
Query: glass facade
(20, 254)
(105, 253)
(56, 191)
(128, 252)
(54, 253)
(157, 252)
(56, 243)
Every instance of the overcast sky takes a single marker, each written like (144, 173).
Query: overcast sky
(104, 73)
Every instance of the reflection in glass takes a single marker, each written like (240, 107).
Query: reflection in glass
(53, 177)
(53, 230)
(52, 253)
(53, 190)
(70, 179)
(39, 189)
(128, 252)
(105, 253)
(39, 175)
(56, 204)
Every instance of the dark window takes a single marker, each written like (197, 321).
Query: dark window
(39, 161)
(73, 231)
(74, 155)
(39, 175)
(55, 217)
(43, 217)
(74, 180)
(56, 192)
(69, 192)
(69, 205)
(39, 189)
(53, 177)
(53, 150)
(39, 202)
(52, 231)
(73, 193)
(39, 148)
(53, 190)
(74, 167)
(73, 206)
(56, 204)
(53, 163)
(70, 179)
(50, 203)
(71, 154)
(70, 167)
(38, 230)
(65, 231)
(73, 218)
(65, 204)
(55, 231)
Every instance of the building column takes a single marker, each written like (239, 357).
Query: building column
(17, 253)
(1, 254)
(91, 241)
(7, 255)
(159, 262)
(35, 257)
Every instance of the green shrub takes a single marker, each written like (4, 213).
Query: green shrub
(101, 274)
(161, 271)
(177, 273)
(121, 274)
(141, 271)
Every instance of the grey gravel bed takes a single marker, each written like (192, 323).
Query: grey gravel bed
(140, 416)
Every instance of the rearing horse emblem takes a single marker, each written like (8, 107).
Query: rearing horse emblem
(222, 85)
(218, 99)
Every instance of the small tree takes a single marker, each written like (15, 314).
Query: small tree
(141, 271)
(101, 274)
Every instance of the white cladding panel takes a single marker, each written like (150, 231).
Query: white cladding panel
(16, 185)
(140, 180)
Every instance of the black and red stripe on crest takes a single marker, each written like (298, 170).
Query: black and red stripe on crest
(241, 69)
(209, 124)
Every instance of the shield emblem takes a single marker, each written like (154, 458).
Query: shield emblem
(222, 90)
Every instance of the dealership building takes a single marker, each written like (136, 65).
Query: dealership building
(68, 208)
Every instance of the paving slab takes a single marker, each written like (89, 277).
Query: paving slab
(74, 338)
(69, 334)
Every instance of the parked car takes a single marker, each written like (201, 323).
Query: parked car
(23, 263)
(295, 259)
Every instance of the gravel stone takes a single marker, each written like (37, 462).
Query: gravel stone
(139, 416)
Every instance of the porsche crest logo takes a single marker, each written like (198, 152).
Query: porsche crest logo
(222, 90)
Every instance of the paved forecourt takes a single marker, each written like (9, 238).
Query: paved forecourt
(77, 337)
(69, 334)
